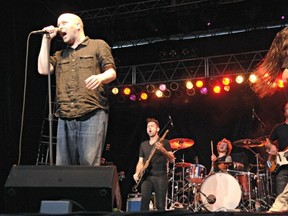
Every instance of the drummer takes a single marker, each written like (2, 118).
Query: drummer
(221, 163)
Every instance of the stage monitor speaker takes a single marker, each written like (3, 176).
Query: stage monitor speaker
(88, 188)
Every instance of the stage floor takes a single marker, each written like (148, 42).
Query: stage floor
(164, 213)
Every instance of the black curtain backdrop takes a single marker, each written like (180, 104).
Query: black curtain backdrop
(203, 118)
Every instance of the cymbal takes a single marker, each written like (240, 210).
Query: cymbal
(183, 164)
(248, 143)
(181, 143)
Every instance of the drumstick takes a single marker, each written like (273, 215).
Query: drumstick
(212, 147)
(212, 163)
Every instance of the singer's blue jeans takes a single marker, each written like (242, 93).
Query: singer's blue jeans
(81, 141)
(158, 185)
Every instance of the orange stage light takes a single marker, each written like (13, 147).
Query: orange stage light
(226, 81)
(127, 91)
(199, 83)
(143, 96)
(217, 89)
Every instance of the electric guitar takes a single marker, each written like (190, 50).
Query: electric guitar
(276, 161)
(143, 171)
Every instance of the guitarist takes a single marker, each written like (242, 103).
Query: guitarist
(155, 177)
(279, 134)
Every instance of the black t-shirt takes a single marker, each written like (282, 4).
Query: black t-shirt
(158, 163)
(280, 133)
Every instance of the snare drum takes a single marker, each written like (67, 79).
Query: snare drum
(196, 173)
(226, 190)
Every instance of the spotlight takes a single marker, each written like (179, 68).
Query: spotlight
(159, 93)
(185, 52)
(143, 96)
(199, 83)
(150, 88)
(227, 88)
(127, 91)
(252, 78)
(190, 92)
(217, 89)
(173, 53)
(204, 90)
(121, 99)
(226, 81)
(280, 83)
(174, 86)
(179, 93)
(133, 97)
(115, 90)
(162, 87)
(167, 93)
(239, 79)
(189, 85)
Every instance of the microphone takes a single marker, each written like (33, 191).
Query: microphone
(44, 31)
(253, 115)
(171, 121)
(211, 199)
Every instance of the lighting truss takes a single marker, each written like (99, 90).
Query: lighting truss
(180, 70)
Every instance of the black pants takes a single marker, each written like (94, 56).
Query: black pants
(158, 185)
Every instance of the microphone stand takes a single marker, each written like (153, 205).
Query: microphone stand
(50, 115)
(165, 126)
(261, 122)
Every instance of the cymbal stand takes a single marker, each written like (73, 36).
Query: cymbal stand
(257, 176)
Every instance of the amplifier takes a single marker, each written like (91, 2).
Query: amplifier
(133, 202)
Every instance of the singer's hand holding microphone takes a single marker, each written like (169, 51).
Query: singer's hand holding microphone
(49, 30)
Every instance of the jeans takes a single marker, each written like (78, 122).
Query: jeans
(80, 141)
(282, 179)
(157, 184)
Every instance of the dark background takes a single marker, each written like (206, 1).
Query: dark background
(203, 118)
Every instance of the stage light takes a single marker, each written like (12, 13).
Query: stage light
(115, 90)
(226, 81)
(159, 93)
(280, 83)
(239, 79)
(190, 92)
(120, 99)
(179, 93)
(199, 83)
(162, 87)
(127, 91)
(252, 78)
(189, 85)
(217, 89)
(143, 96)
(133, 97)
(204, 90)
(174, 86)
(167, 93)
(150, 88)
(226, 88)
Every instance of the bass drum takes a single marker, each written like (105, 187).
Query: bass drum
(226, 190)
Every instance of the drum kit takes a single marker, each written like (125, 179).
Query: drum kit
(235, 189)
